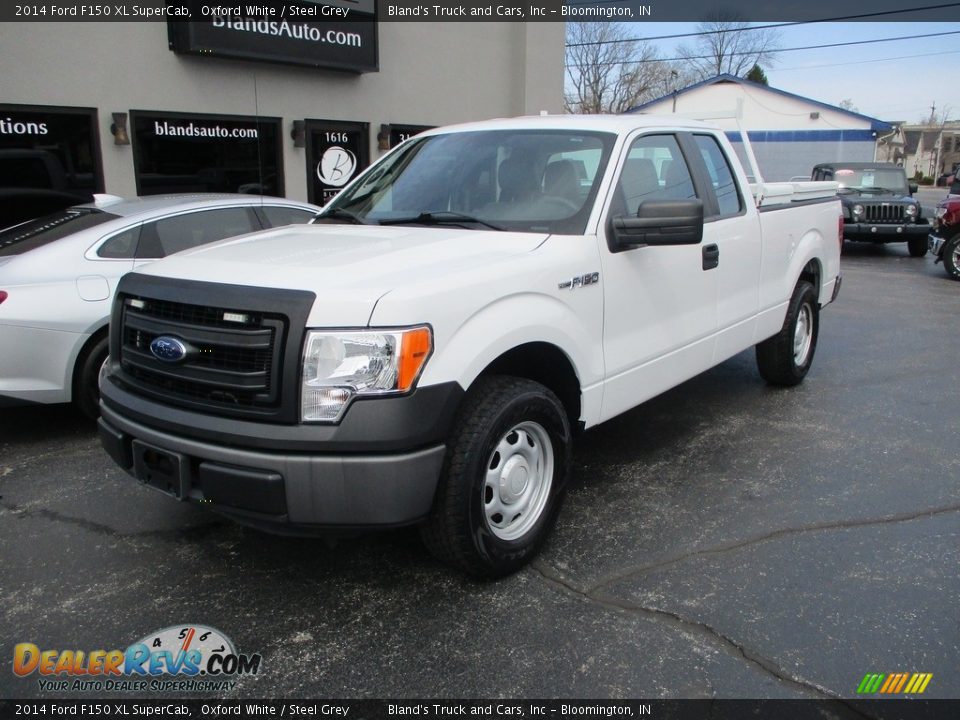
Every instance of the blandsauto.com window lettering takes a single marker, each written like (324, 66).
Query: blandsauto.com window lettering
(163, 128)
(297, 31)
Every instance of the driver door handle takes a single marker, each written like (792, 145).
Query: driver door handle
(711, 257)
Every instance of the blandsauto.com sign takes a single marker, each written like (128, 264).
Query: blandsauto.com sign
(336, 34)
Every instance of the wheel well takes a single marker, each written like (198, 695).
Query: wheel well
(82, 355)
(811, 273)
(547, 365)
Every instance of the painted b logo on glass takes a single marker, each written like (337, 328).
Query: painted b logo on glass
(336, 166)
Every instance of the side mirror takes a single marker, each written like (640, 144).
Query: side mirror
(913, 188)
(658, 222)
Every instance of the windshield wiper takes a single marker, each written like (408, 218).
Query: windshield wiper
(341, 214)
(441, 217)
(883, 189)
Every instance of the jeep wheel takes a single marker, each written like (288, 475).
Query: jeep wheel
(951, 257)
(785, 358)
(917, 246)
(504, 475)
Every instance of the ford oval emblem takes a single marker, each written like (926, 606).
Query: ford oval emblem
(168, 349)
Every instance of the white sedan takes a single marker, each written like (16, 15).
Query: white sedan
(58, 275)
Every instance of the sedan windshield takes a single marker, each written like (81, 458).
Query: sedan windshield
(519, 180)
(880, 179)
(36, 233)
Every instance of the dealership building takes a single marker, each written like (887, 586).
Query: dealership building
(789, 133)
(239, 104)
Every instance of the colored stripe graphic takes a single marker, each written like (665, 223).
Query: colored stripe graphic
(870, 683)
(891, 681)
(894, 683)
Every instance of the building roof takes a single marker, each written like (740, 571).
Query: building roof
(875, 124)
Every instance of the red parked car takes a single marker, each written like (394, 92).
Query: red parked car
(944, 238)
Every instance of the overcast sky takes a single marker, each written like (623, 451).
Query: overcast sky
(878, 78)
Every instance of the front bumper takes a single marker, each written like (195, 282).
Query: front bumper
(291, 485)
(883, 233)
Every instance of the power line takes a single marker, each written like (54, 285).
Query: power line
(864, 62)
(793, 49)
(754, 27)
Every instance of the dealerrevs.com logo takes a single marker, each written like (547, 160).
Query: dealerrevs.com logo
(180, 658)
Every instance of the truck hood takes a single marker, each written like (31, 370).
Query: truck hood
(349, 267)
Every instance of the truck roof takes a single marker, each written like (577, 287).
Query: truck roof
(597, 123)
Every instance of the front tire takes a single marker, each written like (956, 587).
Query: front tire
(917, 246)
(951, 257)
(785, 358)
(505, 472)
(86, 383)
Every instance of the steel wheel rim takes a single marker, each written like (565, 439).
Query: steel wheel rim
(955, 255)
(803, 335)
(517, 480)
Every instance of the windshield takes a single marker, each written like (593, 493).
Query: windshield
(36, 233)
(520, 180)
(892, 179)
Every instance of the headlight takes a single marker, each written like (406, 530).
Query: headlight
(339, 365)
(941, 211)
(911, 210)
(858, 209)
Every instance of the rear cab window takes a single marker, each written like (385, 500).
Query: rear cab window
(720, 174)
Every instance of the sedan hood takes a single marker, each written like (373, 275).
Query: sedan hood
(349, 267)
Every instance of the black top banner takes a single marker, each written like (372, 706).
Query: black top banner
(639, 11)
(502, 709)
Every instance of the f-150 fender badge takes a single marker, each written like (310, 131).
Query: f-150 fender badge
(580, 281)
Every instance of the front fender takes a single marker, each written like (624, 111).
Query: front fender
(463, 351)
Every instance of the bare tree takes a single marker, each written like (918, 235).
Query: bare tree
(607, 72)
(847, 104)
(727, 44)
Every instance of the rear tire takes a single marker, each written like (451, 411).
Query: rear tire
(507, 463)
(917, 246)
(951, 257)
(86, 382)
(785, 358)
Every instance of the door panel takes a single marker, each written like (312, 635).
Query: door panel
(660, 309)
(735, 230)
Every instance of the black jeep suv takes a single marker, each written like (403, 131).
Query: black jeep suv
(878, 204)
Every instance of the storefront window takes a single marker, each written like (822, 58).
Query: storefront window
(176, 153)
(53, 148)
(49, 160)
(337, 151)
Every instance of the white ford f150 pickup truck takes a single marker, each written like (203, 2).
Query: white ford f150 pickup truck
(425, 351)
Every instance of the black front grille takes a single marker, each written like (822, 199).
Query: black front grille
(233, 358)
(879, 214)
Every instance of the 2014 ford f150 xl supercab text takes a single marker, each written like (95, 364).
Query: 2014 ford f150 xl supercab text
(423, 352)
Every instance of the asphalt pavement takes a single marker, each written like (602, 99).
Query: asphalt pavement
(726, 539)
